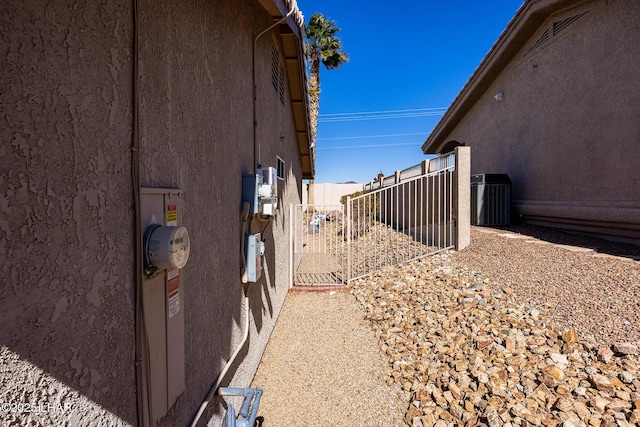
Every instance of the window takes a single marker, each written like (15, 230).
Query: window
(280, 167)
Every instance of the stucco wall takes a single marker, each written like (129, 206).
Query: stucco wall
(196, 110)
(329, 194)
(567, 128)
(67, 229)
(66, 246)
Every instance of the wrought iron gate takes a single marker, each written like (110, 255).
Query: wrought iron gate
(318, 247)
(409, 215)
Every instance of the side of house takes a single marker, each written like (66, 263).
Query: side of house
(555, 105)
(100, 101)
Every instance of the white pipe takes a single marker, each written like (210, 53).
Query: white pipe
(255, 123)
(245, 335)
(215, 385)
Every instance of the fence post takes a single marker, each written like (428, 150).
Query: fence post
(348, 220)
(291, 243)
(424, 166)
(462, 197)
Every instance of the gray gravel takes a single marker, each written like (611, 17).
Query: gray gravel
(588, 284)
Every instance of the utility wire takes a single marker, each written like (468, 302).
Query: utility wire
(381, 114)
(413, 110)
(369, 136)
(379, 117)
(354, 147)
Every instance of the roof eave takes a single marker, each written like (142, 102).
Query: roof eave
(520, 29)
(292, 36)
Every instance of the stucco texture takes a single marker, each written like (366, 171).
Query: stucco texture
(66, 248)
(67, 226)
(566, 128)
(197, 135)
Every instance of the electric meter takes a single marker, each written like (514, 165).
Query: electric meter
(167, 247)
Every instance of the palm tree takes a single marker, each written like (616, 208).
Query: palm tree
(322, 46)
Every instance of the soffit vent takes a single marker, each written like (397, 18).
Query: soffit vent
(562, 25)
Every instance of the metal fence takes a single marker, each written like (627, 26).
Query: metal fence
(400, 222)
(318, 245)
(411, 214)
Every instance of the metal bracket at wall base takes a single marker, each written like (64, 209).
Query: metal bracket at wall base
(249, 409)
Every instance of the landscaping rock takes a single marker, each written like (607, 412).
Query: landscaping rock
(495, 363)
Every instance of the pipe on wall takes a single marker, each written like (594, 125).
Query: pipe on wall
(216, 385)
(139, 363)
(255, 90)
(214, 388)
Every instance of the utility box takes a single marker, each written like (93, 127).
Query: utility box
(166, 250)
(254, 250)
(490, 199)
(261, 191)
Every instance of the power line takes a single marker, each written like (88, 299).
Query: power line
(358, 118)
(383, 112)
(350, 147)
(370, 136)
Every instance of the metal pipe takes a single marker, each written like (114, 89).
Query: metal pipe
(141, 365)
(215, 385)
(247, 411)
(255, 90)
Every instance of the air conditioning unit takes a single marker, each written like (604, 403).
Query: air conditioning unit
(490, 199)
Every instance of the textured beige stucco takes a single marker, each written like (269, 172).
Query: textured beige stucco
(567, 127)
(66, 248)
(67, 224)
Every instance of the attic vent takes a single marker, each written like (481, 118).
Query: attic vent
(541, 40)
(277, 73)
(559, 26)
(275, 65)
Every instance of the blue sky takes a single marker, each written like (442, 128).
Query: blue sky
(411, 58)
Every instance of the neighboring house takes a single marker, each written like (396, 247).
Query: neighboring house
(556, 105)
(328, 194)
(84, 131)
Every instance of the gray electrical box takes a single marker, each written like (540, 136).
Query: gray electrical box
(250, 186)
(490, 199)
(254, 249)
(163, 301)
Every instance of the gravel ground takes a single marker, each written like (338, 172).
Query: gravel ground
(585, 286)
(325, 367)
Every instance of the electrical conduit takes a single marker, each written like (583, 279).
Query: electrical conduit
(215, 385)
(247, 310)
(255, 90)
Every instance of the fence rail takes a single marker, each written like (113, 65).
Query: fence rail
(401, 222)
(439, 163)
(416, 212)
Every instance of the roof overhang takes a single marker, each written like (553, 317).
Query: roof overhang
(522, 27)
(292, 36)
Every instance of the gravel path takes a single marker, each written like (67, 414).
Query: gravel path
(323, 367)
(527, 326)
